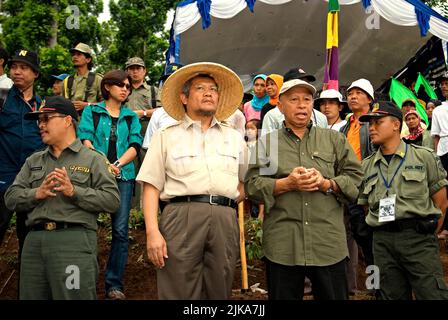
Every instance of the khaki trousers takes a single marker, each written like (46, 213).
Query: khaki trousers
(203, 247)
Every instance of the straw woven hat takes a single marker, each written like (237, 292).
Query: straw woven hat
(229, 84)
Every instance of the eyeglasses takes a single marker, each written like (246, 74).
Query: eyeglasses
(122, 85)
(46, 118)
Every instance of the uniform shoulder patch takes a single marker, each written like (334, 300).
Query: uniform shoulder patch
(420, 147)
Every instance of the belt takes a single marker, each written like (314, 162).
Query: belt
(214, 200)
(53, 225)
(398, 225)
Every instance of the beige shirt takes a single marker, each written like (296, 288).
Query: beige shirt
(182, 160)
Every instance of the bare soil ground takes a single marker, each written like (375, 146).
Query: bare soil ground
(140, 275)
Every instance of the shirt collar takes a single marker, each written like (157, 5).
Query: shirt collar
(188, 122)
(75, 147)
(400, 152)
(290, 132)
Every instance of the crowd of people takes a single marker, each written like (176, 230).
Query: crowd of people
(329, 176)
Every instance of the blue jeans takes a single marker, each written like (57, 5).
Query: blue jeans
(119, 249)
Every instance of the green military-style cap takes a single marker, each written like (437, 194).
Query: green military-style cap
(82, 47)
(135, 61)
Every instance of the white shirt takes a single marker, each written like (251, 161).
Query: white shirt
(338, 126)
(273, 120)
(439, 127)
(5, 82)
(159, 119)
(237, 121)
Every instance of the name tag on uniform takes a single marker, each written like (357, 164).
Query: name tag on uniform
(387, 209)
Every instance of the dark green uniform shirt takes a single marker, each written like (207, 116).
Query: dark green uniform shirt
(303, 228)
(95, 187)
(420, 176)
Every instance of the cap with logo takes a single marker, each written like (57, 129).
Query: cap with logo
(84, 48)
(382, 109)
(298, 73)
(135, 61)
(297, 83)
(29, 57)
(54, 104)
(364, 85)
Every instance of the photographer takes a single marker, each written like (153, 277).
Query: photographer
(404, 189)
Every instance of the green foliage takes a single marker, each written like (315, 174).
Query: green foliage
(139, 32)
(55, 60)
(442, 4)
(253, 237)
(136, 219)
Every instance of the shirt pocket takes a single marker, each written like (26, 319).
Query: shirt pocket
(325, 163)
(413, 184)
(36, 178)
(370, 193)
(80, 179)
(185, 162)
(228, 159)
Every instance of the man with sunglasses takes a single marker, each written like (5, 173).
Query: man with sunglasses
(63, 187)
(19, 138)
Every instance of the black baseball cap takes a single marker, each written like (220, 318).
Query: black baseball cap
(298, 73)
(29, 57)
(382, 109)
(54, 104)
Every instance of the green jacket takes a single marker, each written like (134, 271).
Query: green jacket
(303, 228)
(126, 135)
(95, 187)
(419, 177)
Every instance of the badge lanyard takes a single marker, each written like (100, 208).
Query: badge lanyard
(388, 185)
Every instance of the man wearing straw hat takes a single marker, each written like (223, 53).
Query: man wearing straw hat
(198, 165)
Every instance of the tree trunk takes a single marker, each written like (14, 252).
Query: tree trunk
(53, 41)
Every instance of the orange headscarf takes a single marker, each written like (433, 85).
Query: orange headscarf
(278, 79)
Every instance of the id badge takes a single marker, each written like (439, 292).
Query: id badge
(387, 209)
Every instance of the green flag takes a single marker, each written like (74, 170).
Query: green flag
(399, 92)
(421, 81)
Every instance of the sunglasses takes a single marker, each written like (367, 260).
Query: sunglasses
(122, 85)
(46, 118)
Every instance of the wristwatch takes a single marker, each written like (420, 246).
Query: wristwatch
(145, 114)
(117, 164)
(330, 190)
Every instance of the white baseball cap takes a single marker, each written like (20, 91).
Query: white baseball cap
(297, 83)
(364, 85)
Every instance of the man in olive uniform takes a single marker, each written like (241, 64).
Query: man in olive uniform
(302, 174)
(404, 189)
(63, 188)
(84, 87)
(143, 100)
(198, 165)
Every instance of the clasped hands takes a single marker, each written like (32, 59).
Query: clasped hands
(56, 181)
(303, 179)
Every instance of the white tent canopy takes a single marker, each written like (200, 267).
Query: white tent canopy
(278, 37)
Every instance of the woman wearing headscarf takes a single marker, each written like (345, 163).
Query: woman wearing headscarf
(274, 83)
(253, 108)
(430, 106)
(417, 135)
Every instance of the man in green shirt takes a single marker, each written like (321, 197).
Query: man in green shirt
(84, 87)
(143, 100)
(63, 187)
(303, 174)
(404, 193)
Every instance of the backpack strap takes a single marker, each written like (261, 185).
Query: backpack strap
(68, 86)
(90, 80)
(153, 97)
